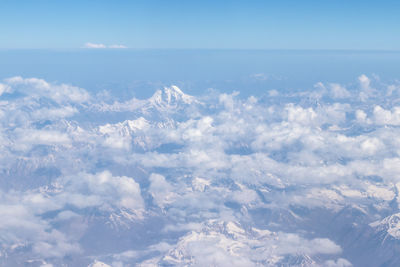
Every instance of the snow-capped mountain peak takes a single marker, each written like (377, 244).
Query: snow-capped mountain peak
(170, 96)
(390, 224)
(124, 128)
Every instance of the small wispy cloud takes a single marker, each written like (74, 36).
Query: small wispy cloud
(117, 46)
(97, 46)
(92, 45)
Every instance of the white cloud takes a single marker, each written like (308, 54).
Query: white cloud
(364, 82)
(339, 91)
(20, 225)
(273, 93)
(41, 137)
(60, 93)
(100, 46)
(4, 88)
(54, 113)
(338, 263)
(97, 263)
(93, 45)
(361, 116)
(366, 91)
(300, 115)
(386, 117)
(23, 212)
(102, 190)
(228, 244)
(117, 46)
(259, 76)
(161, 190)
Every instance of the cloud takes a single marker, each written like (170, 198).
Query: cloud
(338, 263)
(93, 45)
(100, 46)
(228, 244)
(25, 212)
(339, 91)
(117, 46)
(42, 137)
(161, 190)
(196, 180)
(4, 88)
(60, 93)
(366, 91)
(259, 76)
(54, 113)
(22, 228)
(122, 192)
(364, 82)
(386, 117)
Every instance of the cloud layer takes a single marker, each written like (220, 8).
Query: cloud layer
(281, 179)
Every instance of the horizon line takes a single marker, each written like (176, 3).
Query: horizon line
(206, 49)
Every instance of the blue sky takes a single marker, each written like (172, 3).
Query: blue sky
(201, 24)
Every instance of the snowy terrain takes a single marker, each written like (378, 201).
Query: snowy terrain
(308, 178)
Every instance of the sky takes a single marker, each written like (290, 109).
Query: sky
(45, 24)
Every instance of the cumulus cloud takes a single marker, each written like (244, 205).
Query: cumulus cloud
(122, 192)
(384, 117)
(160, 189)
(60, 93)
(25, 220)
(4, 88)
(22, 228)
(338, 263)
(227, 244)
(364, 82)
(338, 91)
(366, 91)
